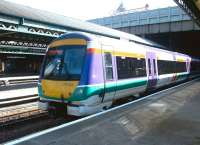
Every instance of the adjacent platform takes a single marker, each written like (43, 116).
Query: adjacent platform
(9, 94)
(168, 118)
(7, 81)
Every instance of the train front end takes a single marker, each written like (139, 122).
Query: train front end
(61, 72)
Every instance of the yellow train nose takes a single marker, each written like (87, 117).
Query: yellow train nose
(58, 89)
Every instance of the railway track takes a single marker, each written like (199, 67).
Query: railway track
(7, 102)
(20, 120)
(19, 117)
(18, 113)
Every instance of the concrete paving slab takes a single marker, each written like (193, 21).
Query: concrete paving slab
(173, 119)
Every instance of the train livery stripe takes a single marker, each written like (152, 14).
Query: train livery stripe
(132, 54)
(84, 92)
(116, 53)
(63, 42)
(182, 76)
(94, 50)
(135, 55)
(96, 89)
(180, 60)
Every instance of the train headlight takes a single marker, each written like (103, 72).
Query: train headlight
(80, 92)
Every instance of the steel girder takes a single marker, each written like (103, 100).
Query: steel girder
(190, 7)
(22, 48)
(8, 49)
(29, 30)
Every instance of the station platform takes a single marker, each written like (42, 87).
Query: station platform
(168, 118)
(18, 82)
(19, 77)
(7, 75)
(8, 80)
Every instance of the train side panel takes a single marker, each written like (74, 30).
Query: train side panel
(131, 69)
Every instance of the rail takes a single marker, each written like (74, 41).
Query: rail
(20, 120)
(19, 113)
(18, 100)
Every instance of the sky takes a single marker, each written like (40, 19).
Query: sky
(91, 9)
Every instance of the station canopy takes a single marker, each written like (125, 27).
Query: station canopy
(23, 23)
(192, 7)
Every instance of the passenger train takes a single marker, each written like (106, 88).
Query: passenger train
(85, 73)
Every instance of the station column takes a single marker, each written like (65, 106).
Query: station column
(2, 66)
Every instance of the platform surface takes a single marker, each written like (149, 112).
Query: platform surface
(174, 119)
(19, 77)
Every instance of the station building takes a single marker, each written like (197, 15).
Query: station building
(26, 32)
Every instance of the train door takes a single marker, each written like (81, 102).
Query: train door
(109, 73)
(152, 71)
(188, 65)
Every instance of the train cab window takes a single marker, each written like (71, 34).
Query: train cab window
(64, 63)
(108, 66)
(130, 67)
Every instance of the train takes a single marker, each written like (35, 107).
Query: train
(85, 73)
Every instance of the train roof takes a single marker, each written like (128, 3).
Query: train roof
(26, 12)
(91, 37)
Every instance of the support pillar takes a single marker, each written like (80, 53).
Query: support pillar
(2, 66)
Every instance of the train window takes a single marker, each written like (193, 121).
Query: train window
(180, 67)
(140, 68)
(108, 59)
(108, 66)
(192, 67)
(1, 66)
(166, 67)
(109, 73)
(130, 67)
(149, 66)
(195, 67)
(154, 64)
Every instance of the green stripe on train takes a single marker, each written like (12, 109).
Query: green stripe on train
(82, 93)
(85, 92)
(182, 76)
